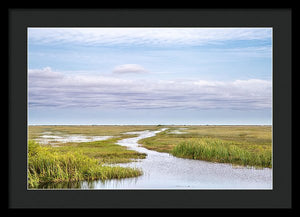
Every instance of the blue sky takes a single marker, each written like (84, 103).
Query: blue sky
(149, 75)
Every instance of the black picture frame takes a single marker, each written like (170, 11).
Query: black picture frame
(281, 22)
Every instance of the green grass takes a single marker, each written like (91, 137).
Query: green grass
(48, 165)
(87, 130)
(71, 162)
(241, 145)
(221, 151)
(106, 151)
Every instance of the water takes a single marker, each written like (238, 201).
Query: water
(48, 138)
(164, 171)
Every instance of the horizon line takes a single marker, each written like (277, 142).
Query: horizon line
(149, 124)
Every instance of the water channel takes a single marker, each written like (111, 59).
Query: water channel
(164, 171)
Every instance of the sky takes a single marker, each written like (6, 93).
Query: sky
(150, 76)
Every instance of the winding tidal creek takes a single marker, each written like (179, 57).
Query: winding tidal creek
(164, 171)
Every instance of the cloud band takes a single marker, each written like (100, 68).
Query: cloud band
(47, 88)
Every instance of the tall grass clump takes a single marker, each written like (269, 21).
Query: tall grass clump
(210, 149)
(46, 165)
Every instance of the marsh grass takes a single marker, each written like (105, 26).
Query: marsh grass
(216, 150)
(47, 165)
(76, 161)
(87, 130)
(105, 151)
(240, 145)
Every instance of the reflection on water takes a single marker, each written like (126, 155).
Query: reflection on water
(109, 184)
(103, 184)
(164, 171)
(60, 185)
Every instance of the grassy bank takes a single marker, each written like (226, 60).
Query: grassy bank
(106, 151)
(223, 152)
(240, 145)
(88, 130)
(50, 165)
(58, 163)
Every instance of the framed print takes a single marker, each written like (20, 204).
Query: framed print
(149, 108)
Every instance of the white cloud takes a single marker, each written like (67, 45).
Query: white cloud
(145, 36)
(48, 88)
(129, 68)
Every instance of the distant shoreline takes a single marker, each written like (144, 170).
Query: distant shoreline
(149, 125)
